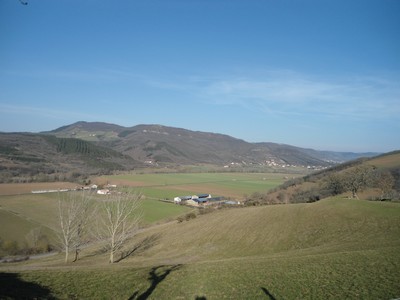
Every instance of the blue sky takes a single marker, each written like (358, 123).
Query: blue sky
(322, 74)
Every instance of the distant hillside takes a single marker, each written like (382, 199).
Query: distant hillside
(85, 148)
(154, 144)
(36, 157)
(376, 178)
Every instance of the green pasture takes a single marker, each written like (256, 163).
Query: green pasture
(355, 275)
(332, 249)
(13, 227)
(155, 211)
(230, 185)
(22, 213)
(40, 209)
(19, 214)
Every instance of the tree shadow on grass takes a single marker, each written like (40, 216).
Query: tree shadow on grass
(156, 276)
(13, 287)
(145, 244)
(268, 293)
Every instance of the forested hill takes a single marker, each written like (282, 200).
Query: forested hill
(161, 144)
(82, 149)
(37, 157)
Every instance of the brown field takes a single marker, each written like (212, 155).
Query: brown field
(121, 182)
(388, 161)
(25, 188)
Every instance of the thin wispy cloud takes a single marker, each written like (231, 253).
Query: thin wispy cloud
(56, 114)
(355, 97)
(291, 93)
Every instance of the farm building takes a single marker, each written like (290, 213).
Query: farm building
(182, 198)
(192, 202)
(201, 200)
(204, 196)
(196, 198)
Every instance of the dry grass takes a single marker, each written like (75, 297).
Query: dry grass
(335, 248)
(387, 161)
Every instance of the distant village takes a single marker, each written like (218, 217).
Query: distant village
(274, 164)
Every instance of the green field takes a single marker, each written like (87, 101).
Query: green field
(21, 213)
(332, 249)
(168, 186)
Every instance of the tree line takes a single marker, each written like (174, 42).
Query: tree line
(351, 179)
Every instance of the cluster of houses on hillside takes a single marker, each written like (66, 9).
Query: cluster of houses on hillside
(202, 200)
(275, 164)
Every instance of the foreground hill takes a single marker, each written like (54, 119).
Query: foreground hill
(335, 248)
(162, 144)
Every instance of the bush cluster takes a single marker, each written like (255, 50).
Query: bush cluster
(186, 217)
(352, 177)
(12, 248)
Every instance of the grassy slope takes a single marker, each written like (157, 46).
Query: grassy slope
(388, 161)
(325, 226)
(13, 227)
(335, 248)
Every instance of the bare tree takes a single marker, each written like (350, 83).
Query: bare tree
(74, 215)
(385, 182)
(358, 178)
(121, 220)
(335, 183)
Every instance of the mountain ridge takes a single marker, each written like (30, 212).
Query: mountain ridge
(164, 144)
(82, 149)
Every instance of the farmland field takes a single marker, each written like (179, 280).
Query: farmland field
(21, 211)
(168, 186)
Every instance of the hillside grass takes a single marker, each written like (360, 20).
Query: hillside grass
(13, 227)
(387, 161)
(334, 248)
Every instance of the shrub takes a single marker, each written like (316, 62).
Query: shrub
(10, 247)
(186, 217)
(190, 216)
